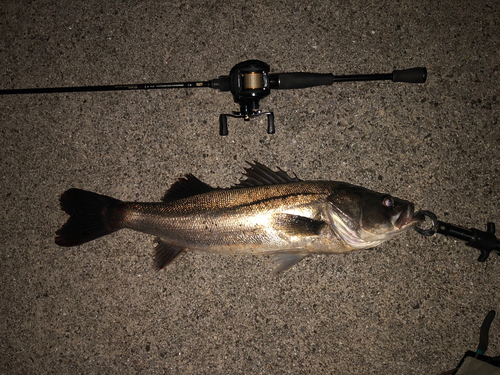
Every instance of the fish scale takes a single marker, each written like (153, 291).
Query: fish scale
(229, 216)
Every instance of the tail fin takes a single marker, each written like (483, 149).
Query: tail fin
(91, 217)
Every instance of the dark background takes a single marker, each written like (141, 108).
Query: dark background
(413, 305)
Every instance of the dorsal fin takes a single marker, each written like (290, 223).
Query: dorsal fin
(186, 186)
(258, 175)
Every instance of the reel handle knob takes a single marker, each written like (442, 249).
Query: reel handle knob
(223, 125)
(270, 123)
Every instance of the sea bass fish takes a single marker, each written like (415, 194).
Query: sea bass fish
(267, 212)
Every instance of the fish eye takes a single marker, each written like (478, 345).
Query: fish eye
(388, 201)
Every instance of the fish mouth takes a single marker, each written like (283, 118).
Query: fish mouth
(407, 218)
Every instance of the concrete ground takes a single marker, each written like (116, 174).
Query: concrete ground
(413, 305)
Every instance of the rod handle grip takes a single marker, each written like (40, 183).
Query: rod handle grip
(413, 75)
(286, 81)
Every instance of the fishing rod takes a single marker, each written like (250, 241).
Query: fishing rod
(484, 241)
(249, 82)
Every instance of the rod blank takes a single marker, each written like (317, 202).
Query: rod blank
(140, 86)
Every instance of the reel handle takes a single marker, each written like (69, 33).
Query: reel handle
(223, 130)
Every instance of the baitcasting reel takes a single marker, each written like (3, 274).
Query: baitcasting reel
(249, 82)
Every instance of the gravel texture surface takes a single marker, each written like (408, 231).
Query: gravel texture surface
(413, 305)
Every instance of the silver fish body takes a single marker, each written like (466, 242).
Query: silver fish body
(268, 213)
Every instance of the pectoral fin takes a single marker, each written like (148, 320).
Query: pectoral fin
(296, 225)
(165, 254)
(285, 261)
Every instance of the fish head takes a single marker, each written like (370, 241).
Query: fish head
(364, 218)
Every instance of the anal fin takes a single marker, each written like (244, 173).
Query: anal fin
(165, 254)
(285, 261)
